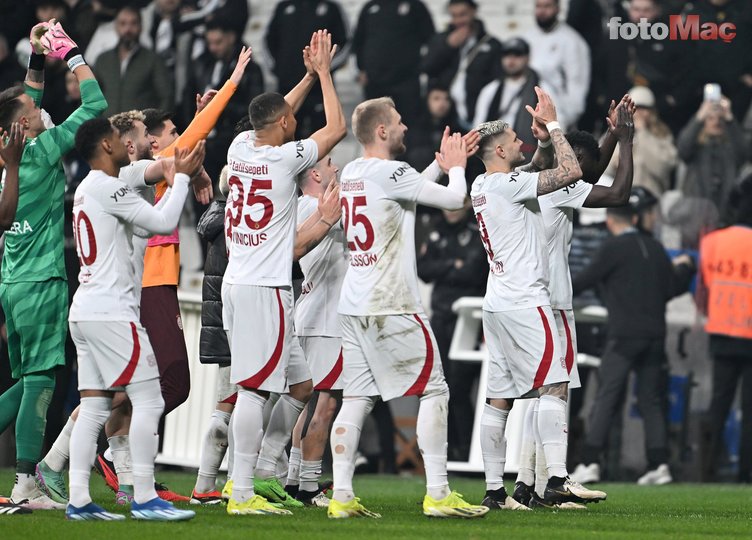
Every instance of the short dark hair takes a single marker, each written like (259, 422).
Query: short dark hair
(266, 108)
(90, 134)
(244, 124)
(472, 3)
(10, 105)
(154, 120)
(221, 24)
(133, 9)
(585, 141)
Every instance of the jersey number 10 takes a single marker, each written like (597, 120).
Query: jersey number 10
(82, 225)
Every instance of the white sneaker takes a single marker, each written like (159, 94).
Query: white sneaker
(657, 477)
(586, 474)
(320, 501)
(34, 499)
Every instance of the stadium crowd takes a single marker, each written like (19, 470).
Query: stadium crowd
(177, 83)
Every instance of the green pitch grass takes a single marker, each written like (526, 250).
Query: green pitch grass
(677, 511)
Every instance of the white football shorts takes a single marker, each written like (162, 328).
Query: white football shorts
(324, 356)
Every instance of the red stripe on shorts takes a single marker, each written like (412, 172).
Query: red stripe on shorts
(419, 386)
(329, 380)
(130, 369)
(569, 358)
(231, 400)
(253, 382)
(548, 353)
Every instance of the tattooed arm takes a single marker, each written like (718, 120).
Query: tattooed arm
(568, 169)
(544, 155)
(35, 72)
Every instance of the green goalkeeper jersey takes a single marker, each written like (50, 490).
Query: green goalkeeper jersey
(34, 243)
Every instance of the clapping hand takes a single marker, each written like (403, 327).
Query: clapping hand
(12, 149)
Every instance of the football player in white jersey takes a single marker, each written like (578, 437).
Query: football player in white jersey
(256, 293)
(557, 209)
(317, 327)
(518, 323)
(388, 346)
(113, 348)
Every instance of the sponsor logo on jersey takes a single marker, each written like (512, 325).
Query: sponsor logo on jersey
(479, 200)
(120, 193)
(19, 227)
(179, 320)
(306, 288)
(299, 149)
(399, 172)
(513, 176)
(247, 168)
(352, 185)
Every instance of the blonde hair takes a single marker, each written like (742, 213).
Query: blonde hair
(224, 182)
(123, 121)
(368, 115)
(488, 132)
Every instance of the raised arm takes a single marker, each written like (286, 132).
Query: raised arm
(34, 82)
(335, 129)
(11, 152)
(452, 196)
(544, 154)
(618, 193)
(568, 169)
(313, 230)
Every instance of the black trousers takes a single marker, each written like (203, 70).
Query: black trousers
(728, 372)
(647, 358)
(460, 377)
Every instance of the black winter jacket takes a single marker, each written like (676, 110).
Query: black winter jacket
(213, 346)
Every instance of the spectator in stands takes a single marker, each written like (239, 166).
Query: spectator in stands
(210, 71)
(232, 12)
(562, 59)
(655, 156)
(423, 136)
(667, 67)
(132, 76)
(636, 279)
(464, 58)
(728, 64)
(387, 44)
(10, 71)
(713, 147)
(454, 260)
(506, 97)
(726, 271)
(289, 31)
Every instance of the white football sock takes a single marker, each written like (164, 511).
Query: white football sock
(552, 426)
(310, 473)
(92, 415)
(213, 451)
(121, 458)
(281, 423)
(526, 472)
(541, 474)
(293, 471)
(431, 430)
(248, 432)
(57, 458)
(230, 447)
(148, 405)
(493, 445)
(344, 442)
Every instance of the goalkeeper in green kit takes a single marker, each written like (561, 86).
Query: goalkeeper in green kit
(33, 287)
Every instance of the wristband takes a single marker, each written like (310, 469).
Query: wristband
(552, 126)
(546, 144)
(36, 61)
(76, 61)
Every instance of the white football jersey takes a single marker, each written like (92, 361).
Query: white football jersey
(558, 209)
(378, 216)
(105, 211)
(511, 228)
(261, 209)
(324, 269)
(133, 176)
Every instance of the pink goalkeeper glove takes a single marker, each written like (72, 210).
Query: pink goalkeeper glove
(57, 42)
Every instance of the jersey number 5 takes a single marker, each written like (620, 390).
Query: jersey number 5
(353, 217)
(82, 225)
(253, 198)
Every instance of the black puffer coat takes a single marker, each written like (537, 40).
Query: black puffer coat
(213, 348)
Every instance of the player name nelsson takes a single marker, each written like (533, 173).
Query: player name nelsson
(249, 169)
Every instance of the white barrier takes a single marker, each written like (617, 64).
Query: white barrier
(464, 348)
(186, 425)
